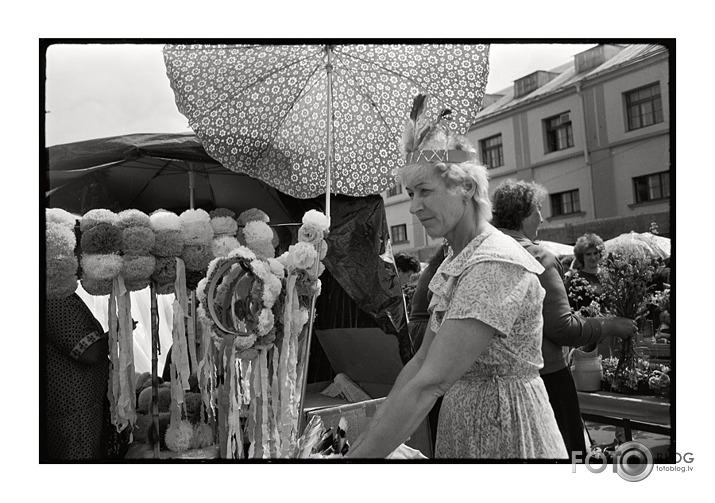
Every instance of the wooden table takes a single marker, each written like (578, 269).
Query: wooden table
(632, 412)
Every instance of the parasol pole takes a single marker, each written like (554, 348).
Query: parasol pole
(328, 187)
(155, 368)
(328, 181)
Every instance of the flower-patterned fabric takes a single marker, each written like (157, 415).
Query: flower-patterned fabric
(499, 408)
(263, 109)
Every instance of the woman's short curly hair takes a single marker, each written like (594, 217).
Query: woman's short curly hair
(514, 200)
(588, 240)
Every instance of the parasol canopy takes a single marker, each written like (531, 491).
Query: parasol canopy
(150, 171)
(306, 117)
(639, 244)
(558, 249)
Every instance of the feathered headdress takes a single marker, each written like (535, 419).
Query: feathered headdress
(426, 141)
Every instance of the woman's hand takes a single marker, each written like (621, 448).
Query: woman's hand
(622, 328)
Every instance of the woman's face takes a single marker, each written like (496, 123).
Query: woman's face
(438, 208)
(532, 223)
(591, 258)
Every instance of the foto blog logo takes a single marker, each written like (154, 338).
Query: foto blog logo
(632, 461)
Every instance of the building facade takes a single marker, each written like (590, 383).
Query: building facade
(595, 132)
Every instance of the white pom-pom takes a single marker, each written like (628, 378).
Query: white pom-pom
(178, 436)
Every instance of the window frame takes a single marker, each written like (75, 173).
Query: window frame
(487, 152)
(392, 233)
(655, 103)
(663, 184)
(552, 136)
(559, 197)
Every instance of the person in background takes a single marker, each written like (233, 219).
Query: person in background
(419, 319)
(481, 349)
(76, 380)
(407, 268)
(583, 284)
(517, 213)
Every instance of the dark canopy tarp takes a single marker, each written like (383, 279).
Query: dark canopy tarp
(150, 171)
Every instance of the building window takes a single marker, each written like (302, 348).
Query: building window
(394, 190)
(399, 233)
(559, 133)
(565, 203)
(492, 152)
(652, 187)
(644, 107)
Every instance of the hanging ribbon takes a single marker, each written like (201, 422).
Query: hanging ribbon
(179, 352)
(113, 385)
(264, 397)
(125, 338)
(191, 332)
(275, 406)
(285, 376)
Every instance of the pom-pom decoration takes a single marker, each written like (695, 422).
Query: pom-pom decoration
(60, 216)
(179, 436)
(102, 238)
(168, 243)
(196, 227)
(224, 226)
(132, 218)
(139, 240)
(96, 217)
(61, 262)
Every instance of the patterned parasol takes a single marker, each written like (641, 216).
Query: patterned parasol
(264, 110)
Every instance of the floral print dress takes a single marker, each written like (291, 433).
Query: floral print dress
(499, 409)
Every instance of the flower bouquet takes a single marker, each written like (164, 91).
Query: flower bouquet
(627, 284)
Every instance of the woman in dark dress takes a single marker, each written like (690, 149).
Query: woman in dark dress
(77, 376)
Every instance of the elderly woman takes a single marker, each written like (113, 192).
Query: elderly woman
(517, 213)
(482, 350)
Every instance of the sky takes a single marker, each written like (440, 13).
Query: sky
(99, 90)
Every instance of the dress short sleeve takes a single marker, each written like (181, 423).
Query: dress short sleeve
(492, 292)
(71, 326)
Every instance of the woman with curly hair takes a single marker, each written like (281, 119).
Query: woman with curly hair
(583, 284)
(517, 213)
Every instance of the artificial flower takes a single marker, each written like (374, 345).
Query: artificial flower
(60, 216)
(138, 267)
(101, 266)
(252, 215)
(265, 322)
(138, 240)
(301, 255)
(101, 238)
(60, 290)
(196, 227)
(323, 249)
(61, 268)
(310, 233)
(132, 218)
(135, 286)
(97, 216)
(162, 220)
(256, 232)
(168, 243)
(60, 240)
(242, 342)
(277, 267)
(201, 291)
(164, 270)
(97, 287)
(221, 246)
(222, 212)
(224, 226)
(178, 436)
(317, 218)
(197, 256)
(242, 252)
